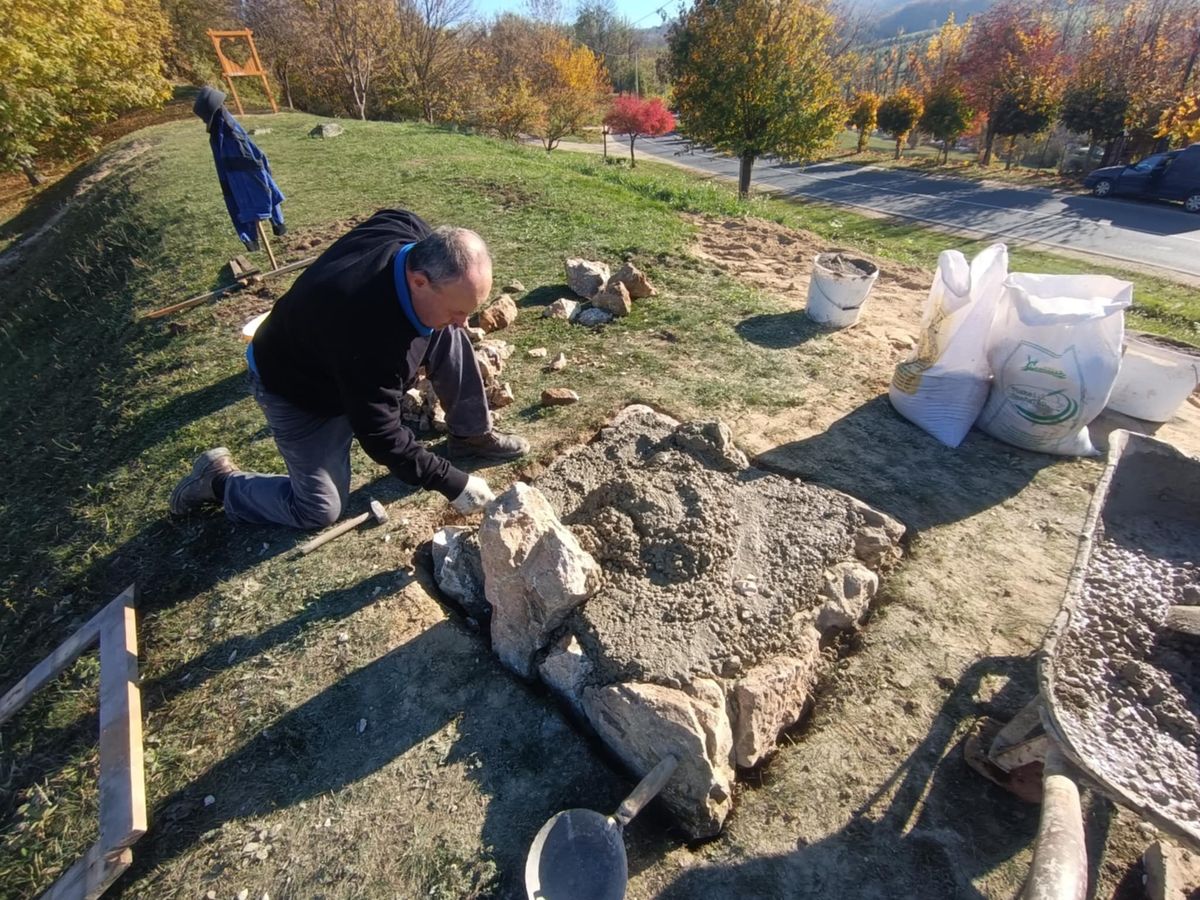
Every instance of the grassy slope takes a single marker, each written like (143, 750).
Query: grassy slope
(103, 412)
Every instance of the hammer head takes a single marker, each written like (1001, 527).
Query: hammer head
(378, 512)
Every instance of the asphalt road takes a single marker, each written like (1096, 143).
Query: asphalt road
(1155, 235)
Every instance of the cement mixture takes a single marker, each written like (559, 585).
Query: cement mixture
(1127, 688)
(710, 566)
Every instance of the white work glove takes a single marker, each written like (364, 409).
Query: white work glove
(474, 497)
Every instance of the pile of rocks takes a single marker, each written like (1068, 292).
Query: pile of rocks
(676, 598)
(606, 294)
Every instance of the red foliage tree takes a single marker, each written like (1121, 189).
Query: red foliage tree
(636, 117)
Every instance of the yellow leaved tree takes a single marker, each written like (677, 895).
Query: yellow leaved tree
(69, 66)
(572, 87)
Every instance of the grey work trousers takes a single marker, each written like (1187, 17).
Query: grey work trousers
(316, 448)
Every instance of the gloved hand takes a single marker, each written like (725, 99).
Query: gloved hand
(474, 497)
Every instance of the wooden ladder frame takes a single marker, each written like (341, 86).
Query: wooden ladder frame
(231, 70)
(122, 770)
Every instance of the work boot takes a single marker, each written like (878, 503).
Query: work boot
(493, 445)
(196, 490)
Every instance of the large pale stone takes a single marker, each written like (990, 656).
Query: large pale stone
(637, 284)
(559, 397)
(501, 313)
(458, 569)
(848, 590)
(562, 308)
(771, 697)
(535, 573)
(614, 300)
(565, 669)
(1171, 873)
(585, 277)
(500, 395)
(327, 130)
(642, 723)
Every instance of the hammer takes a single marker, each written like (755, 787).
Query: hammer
(378, 513)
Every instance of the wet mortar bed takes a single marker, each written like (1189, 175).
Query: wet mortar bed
(1127, 687)
(710, 566)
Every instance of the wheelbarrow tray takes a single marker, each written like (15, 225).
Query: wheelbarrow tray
(1143, 477)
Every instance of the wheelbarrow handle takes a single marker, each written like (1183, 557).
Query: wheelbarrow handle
(646, 790)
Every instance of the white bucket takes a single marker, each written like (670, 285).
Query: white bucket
(836, 293)
(252, 326)
(1156, 377)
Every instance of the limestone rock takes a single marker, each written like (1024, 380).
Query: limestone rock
(558, 363)
(1171, 873)
(514, 287)
(635, 282)
(874, 547)
(535, 573)
(712, 443)
(537, 352)
(586, 278)
(327, 130)
(848, 589)
(642, 723)
(559, 397)
(497, 351)
(771, 697)
(614, 299)
(258, 130)
(565, 669)
(562, 308)
(501, 313)
(476, 335)
(874, 518)
(591, 317)
(643, 412)
(458, 569)
(487, 369)
(500, 396)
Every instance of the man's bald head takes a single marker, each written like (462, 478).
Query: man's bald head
(449, 275)
(449, 254)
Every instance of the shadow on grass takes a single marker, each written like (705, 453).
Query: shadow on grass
(547, 294)
(934, 829)
(778, 331)
(884, 460)
(503, 732)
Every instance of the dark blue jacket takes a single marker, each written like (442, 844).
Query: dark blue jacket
(245, 175)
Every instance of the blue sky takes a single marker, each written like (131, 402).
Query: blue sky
(631, 9)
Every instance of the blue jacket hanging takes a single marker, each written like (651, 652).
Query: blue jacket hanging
(245, 175)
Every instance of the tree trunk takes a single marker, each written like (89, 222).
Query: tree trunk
(899, 141)
(287, 90)
(862, 139)
(987, 145)
(604, 134)
(35, 177)
(744, 175)
(632, 161)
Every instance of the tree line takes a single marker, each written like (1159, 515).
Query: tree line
(750, 77)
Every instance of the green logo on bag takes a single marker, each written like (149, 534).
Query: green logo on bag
(1031, 365)
(1041, 407)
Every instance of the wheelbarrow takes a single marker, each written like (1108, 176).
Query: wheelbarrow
(1047, 750)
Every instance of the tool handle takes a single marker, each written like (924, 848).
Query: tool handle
(335, 531)
(646, 790)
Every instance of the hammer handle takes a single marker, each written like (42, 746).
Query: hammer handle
(335, 531)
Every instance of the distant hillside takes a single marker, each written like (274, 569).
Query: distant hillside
(887, 18)
(654, 37)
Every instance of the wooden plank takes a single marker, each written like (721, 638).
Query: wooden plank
(122, 774)
(219, 292)
(90, 876)
(65, 654)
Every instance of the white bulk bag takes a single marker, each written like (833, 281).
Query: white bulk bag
(1055, 351)
(944, 385)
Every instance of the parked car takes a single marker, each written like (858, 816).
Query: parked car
(1174, 175)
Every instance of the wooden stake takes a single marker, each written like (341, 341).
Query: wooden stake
(220, 292)
(266, 242)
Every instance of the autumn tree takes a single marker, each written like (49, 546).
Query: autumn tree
(572, 85)
(282, 40)
(946, 116)
(1010, 46)
(70, 66)
(431, 55)
(635, 117)
(1024, 109)
(189, 53)
(753, 77)
(899, 114)
(354, 38)
(864, 115)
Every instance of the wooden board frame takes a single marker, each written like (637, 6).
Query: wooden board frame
(122, 769)
(231, 70)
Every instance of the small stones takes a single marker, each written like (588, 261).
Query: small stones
(537, 353)
(501, 313)
(592, 317)
(614, 299)
(514, 287)
(585, 277)
(564, 309)
(557, 364)
(327, 130)
(637, 284)
(362, 725)
(500, 395)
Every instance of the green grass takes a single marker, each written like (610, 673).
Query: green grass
(103, 411)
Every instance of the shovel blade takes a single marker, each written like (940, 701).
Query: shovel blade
(578, 855)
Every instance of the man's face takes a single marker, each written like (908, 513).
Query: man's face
(452, 302)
